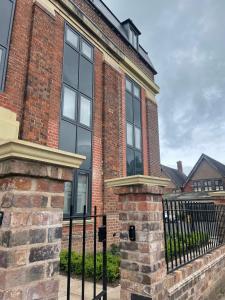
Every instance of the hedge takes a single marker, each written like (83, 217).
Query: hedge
(113, 264)
(189, 242)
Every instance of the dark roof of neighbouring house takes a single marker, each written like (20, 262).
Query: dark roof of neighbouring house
(115, 23)
(212, 162)
(176, 177)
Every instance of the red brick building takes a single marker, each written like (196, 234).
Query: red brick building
(79, 80)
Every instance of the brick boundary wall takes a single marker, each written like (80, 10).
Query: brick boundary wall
(143, 267)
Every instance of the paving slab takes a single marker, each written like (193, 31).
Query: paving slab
(113, 292)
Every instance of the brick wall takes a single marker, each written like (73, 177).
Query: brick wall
(153, 139)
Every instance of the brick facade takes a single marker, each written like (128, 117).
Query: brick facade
(33, 91)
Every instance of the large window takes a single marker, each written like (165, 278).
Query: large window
(134, 134)
(76, 116)
(208, 185)
(6, 19)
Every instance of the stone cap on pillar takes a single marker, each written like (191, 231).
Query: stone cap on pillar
(137, 184)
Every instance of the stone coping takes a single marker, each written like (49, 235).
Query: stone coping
(137, 180)
(30, 151)
(217, 194)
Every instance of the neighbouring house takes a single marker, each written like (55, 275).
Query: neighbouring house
(207, 175)
(176, 176)
(79, 80)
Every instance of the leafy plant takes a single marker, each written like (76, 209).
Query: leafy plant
(113, 263)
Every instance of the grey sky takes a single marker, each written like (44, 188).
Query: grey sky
(186, 43)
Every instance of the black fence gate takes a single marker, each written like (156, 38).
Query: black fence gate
(99, 230)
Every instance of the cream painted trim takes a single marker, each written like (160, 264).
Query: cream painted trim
(9, 127)
(30, 151)
(104, 44)
(217, 194)
(137, 180)
(46, 5)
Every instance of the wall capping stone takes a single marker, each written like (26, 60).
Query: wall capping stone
(137, 180)
(217, 194)
(35, 152)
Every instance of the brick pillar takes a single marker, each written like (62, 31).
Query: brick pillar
(143, 267)
(31, 197)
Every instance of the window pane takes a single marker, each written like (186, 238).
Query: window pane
(130, 162)
(67, 197)
(85, 111)
(86, 77)
(130, 135)
(70, 68)
(82, 192)
(67, 136)
(87, 50)
(6, 8)
(84, 146)
(137, 138)
(136, 91)
(72, 37)
(69, 103)
(128, 86)
(129, 108)
(137, 112)
(138, 163)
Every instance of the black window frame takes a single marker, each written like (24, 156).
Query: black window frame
(6, 48)
(76, 122)
(133, 124)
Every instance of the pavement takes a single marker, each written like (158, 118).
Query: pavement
(113, 292)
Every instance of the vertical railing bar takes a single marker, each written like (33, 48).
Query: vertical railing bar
(174, 233)
(170, 236)
(69, 253)
(197, 231)
(178, 231)
(218, 222)
(165, 236)
(199, 234)
(202, 232)
(207, 225)
(188, 228)
(193, 230)
(104, 248)
(83, 252)
(215, 220)
(185, 229)
(204, 225)
(182, 233)
(95, 250)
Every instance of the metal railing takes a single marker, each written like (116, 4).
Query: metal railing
(99, 236)
(191, 229)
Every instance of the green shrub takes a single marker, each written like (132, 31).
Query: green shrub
(113, 263)
(189, 242)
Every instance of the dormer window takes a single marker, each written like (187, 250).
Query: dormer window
(132, 32)
(134, 39)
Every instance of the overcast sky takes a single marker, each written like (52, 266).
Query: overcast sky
(186, 43)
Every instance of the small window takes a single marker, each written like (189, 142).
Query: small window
(70, 68)
(137, 138)
(128, 86)
(84, 146)
(86, 77)
(67, 135)
(72, 38)
(82, 192)
(67, 197)
(85, 111)
(69, 103)
(87, 50)
(137, 92)
(130, 139)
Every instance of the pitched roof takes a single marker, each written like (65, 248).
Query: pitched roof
(212, 162)
(177, 177)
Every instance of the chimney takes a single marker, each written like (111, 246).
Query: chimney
(180, 166)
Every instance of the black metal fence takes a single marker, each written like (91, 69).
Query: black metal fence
(192, 229)
(99, 236)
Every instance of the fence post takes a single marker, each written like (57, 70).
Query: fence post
(143, 267)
